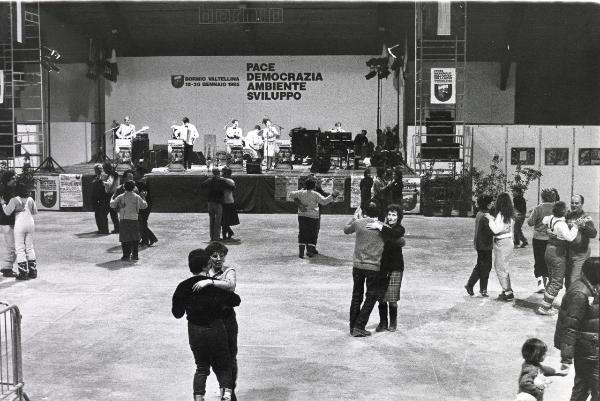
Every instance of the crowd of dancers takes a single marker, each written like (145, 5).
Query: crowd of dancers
(561, 250)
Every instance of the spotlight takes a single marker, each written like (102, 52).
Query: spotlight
(371, 62)
(49, 59)
(371, 74)
(395, 51)
(384, 73)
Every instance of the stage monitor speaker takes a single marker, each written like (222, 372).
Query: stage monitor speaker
(253, 168)
(321, 164)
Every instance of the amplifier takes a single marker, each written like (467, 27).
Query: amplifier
(342, 136)
(138, 147)
(304, 142)
(253, 167)
(342, 145)
(326, 136)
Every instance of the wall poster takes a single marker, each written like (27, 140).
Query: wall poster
(71, 190)
(556, 156)
(443, 86)
(522, 156)
(46, 192)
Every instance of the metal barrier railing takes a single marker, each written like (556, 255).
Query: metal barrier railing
(11, 370)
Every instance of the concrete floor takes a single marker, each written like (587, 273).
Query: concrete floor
(97, 329)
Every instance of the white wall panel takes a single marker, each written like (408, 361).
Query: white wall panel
(71, 143)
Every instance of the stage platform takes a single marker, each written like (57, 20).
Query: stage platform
(181, 192)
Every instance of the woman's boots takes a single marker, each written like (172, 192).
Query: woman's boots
(23, 271)
(383, 318)
(27, 270)
(32, 268)
(301, 251)
(393, 317)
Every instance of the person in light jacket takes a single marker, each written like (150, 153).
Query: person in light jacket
(502, 227)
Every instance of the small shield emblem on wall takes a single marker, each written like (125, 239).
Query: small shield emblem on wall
(48, 199)
(443, 92)
(177, 81)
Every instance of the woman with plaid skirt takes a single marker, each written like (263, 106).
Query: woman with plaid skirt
(392, 266)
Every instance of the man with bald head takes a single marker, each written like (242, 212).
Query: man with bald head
(578, 250)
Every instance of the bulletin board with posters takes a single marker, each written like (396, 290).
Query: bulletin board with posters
(71, 190)
(47, 192)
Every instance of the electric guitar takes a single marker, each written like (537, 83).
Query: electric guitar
(133, 134)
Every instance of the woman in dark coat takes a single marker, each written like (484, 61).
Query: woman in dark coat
(392, 266)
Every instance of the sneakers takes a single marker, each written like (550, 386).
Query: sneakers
(506, 297)
(540, 286)
(484, 293)
(524, 244)
(545, 311)
(469, 290)
(356, 332)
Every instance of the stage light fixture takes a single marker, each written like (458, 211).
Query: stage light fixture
(371, 74)
(49, 59)
(371, 62)
(395, 64)
(384, 73)
(395, 51)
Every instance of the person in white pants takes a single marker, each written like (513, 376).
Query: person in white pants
(24, 207)
(7, 224)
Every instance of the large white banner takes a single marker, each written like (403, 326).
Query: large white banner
(46, 192)
(443, 85)
(71, 192)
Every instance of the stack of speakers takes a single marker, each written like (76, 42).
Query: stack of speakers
(440, 137)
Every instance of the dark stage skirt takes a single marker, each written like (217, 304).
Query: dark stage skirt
(129, 230)
(393, 290)
(230, 215)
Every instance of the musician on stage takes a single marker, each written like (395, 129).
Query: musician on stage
(233, 135)
(337, 128)
(254, 142)
(188, 133)
(126, 130)
(270, 135)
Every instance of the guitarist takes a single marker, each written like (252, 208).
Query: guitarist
(125, 130)
(188, 133)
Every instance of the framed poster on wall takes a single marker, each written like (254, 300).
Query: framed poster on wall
(556, 156)
(589, 156)
(522, 156)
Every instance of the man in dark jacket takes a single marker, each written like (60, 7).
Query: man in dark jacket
(577, 331)
(520, 211)
(578, 250)
(215, 187)
(206, 330)
(99, 204)
(484, 244)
